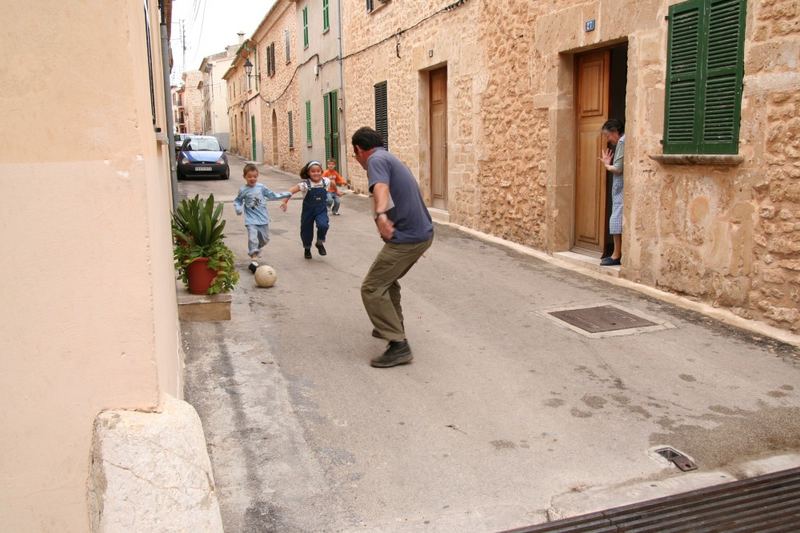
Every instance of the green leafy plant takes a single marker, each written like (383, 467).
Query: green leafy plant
(197, 231)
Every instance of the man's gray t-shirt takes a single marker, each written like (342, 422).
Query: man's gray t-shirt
(412, 221)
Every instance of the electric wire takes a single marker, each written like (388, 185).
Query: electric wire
(396, 35)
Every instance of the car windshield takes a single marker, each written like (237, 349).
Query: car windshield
(203, 144)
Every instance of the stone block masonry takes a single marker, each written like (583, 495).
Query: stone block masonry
(151, 472)
(724, 232)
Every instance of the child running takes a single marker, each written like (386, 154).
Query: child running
(333, 189)
(252, 199)
(315, 209)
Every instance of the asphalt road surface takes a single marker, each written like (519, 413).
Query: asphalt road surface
(506, 417)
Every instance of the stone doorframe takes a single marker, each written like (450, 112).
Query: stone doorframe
(562, 164)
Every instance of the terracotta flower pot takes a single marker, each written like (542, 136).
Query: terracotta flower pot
(200, 276)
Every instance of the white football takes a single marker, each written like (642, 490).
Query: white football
(266, 276)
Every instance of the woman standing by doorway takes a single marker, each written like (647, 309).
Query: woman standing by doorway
(614, 132)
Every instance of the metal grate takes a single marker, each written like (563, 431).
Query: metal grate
(763, 504)
(601, 319)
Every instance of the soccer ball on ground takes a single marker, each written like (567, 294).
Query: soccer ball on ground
(266, 276)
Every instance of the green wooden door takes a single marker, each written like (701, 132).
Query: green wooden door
(330, 103)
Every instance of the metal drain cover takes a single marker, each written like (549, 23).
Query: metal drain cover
(768, 503)
(601, 319)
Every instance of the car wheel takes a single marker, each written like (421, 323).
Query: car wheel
(227, 174)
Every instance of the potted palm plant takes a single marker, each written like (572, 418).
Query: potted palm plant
(202, 260)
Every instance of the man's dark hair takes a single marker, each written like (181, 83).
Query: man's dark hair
(366, 138)
(614, 125)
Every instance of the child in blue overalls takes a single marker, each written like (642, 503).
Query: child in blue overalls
(315, 210)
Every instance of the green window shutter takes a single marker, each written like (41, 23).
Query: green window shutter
(327, 115)
(684, 53)
(724, 69)
(308, 123)
(325, 17)
(305, 27)
(333, 100)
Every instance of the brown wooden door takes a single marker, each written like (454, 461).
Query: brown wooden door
(590, 183)
(439, 138)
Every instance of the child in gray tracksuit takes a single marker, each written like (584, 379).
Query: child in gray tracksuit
(252, 200)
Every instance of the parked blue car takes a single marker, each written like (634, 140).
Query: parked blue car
(201, 156)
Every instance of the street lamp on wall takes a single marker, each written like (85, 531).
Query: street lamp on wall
(248, 69)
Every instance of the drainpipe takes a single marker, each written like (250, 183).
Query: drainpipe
(173, 177)
(343, 157)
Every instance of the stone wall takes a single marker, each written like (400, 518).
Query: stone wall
(193, 101)
(725, 235)
(235, 79)
(375, 52)
(512, 171)
(771, 91)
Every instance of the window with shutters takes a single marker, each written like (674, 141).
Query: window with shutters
(370, 6)
(270, 53)
(326, 22)
(308, 123)
(305, 27)
(291, 130)
(704, 77)
(287, 37)
(381, 113)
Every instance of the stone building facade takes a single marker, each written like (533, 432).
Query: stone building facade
(238, 113)
(193, 101)
(719, 228)
(263, 107)
(215, 94)
(178, 111)
(281, 118)
(321, 93)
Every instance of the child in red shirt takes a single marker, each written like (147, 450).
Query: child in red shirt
(333, 189)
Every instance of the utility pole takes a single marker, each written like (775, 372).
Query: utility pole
(183, 44)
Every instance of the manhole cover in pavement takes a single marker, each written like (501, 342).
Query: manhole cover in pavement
(601, 318)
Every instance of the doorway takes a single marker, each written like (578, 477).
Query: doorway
(601, 77)
(438, 137)
(274, 138)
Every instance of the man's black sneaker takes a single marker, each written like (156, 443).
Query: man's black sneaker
(397, 353)
(321, 249)
(252, 266)
(307, 253)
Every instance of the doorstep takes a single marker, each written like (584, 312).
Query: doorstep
(439, 215)
(203, 307)
(588, 261)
